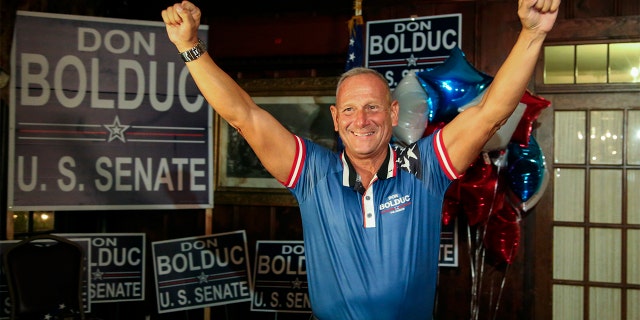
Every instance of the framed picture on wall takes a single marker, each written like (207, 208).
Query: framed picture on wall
(302, 107)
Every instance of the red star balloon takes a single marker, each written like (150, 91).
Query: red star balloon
(502, 237)
(451, 205)
(535, 105)
(480, 191)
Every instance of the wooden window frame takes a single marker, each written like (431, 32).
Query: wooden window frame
(570, 31)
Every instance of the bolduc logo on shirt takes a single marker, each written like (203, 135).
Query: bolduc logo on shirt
(395, 203)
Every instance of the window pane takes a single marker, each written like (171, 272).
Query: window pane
(604, 303)
(43, 221)
(606, 137)
(568, 253)
(605, 196)
(559, 64)
(633, 307)
(633, 201)
(568, 302)
(633, 138)
(568, 195)
(605, 250)
(591, 63)
(569, 137)
(633, 257)
(624, 60)
(20, 221)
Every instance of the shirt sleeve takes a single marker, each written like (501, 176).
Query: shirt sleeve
(298, 162)
(443, 156)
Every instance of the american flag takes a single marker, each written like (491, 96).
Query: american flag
(355, 53)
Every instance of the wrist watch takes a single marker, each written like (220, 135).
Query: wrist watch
(194, 53)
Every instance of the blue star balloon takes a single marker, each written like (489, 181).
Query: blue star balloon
(526, 170)
(456, 82)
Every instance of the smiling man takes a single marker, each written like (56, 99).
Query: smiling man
(370, 214)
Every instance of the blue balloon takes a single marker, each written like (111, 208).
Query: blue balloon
(433, 100)
(456, 82)
(526, 169)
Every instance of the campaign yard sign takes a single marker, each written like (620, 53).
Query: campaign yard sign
(86, 279)
(104, 115)
(116, 266)
(448, 256)
(200, 272)
(398, 46)
(280, 277)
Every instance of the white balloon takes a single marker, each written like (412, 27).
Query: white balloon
(414, 112)
(501, 138)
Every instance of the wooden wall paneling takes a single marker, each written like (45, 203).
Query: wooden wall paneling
(594, 29)
(627, 8)
(582, 9)
(280, 46)
(468, 10)
(592, 8)
(287, 224)
(286, 35)
(374, 10)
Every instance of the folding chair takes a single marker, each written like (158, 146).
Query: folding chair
(44, 275)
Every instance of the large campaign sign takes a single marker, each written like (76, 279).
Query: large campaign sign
(399, 46)
(201, 271)
(280, 277)
(104, 115)
(116, 266)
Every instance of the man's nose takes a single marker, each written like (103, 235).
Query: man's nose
(361, 116)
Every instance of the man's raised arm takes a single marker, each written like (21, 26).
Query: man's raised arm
(465, 135)
(273, 143)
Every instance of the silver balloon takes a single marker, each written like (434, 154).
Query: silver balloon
(413, 113)
(502, 137)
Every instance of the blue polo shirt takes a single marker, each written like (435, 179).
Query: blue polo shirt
(372, 253)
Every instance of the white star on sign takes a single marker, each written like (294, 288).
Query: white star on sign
(97, 275)
(116, 130)
(296, 284)
(202, 278)
(412, 61)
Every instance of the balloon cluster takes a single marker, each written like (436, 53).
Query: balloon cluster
(508, 177)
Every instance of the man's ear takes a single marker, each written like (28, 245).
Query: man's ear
(334, 116)
(395, 109)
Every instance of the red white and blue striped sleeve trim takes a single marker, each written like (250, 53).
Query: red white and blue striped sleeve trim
(443, 156)
(298, 161)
